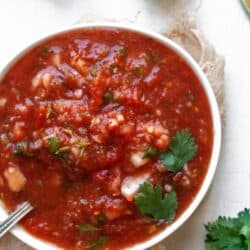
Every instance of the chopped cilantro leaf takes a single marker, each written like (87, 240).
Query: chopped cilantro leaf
(53, 144)
(138, 70)
(182, 150)
(85, 228)
(80, 156)
(229, 233)
(108, 96)
(67, 126)
(150, 200)
(122, 52)
(45, 51)
(113, 68)
(149, 153)
(101, 218)
(19, 149)
(154, 56)
(102, 240)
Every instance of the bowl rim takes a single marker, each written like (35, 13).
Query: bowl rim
(38, 243)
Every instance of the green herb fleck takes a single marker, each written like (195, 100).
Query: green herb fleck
(86, 228)
(191, 96)
(149, 153)
(53, 144)
(182, 150)
(102, 240)
(138, 70)
(101, 218)
(154, 56)
(65, 159)
(108, 96)
(82, 146)
(150, 201)
(93, 71)
(80, 156)
(67, 126)
(19, 149)
(229, 233)
(122, 51)
(45, 51)
(113, 67)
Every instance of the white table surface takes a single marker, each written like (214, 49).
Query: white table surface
(224, 23)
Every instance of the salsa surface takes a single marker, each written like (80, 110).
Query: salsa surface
(77, 114)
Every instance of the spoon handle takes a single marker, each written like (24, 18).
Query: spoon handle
(15, 217)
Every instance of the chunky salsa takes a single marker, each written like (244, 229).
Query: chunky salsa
(108, 134)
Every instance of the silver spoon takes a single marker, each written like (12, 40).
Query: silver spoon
(15, 217)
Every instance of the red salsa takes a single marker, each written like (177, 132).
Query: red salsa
(95, 122)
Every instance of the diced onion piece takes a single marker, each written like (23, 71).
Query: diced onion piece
(168, 188)
(120, 118)
(36, 81)
(2, 102)
(15, 178)
(137, 159)
(46, 79)
(56, 60)
(131, 185)
(95, 121)
(78, 93)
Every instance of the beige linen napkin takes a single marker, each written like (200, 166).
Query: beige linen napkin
(186, 33)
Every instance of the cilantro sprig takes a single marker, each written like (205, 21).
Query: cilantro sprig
(229, 233)
(182, 150)
(150, 200)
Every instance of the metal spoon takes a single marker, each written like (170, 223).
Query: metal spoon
(15, 217)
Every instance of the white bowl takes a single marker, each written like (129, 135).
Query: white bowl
(43, 245)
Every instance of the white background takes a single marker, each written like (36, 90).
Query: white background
(228, 28)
